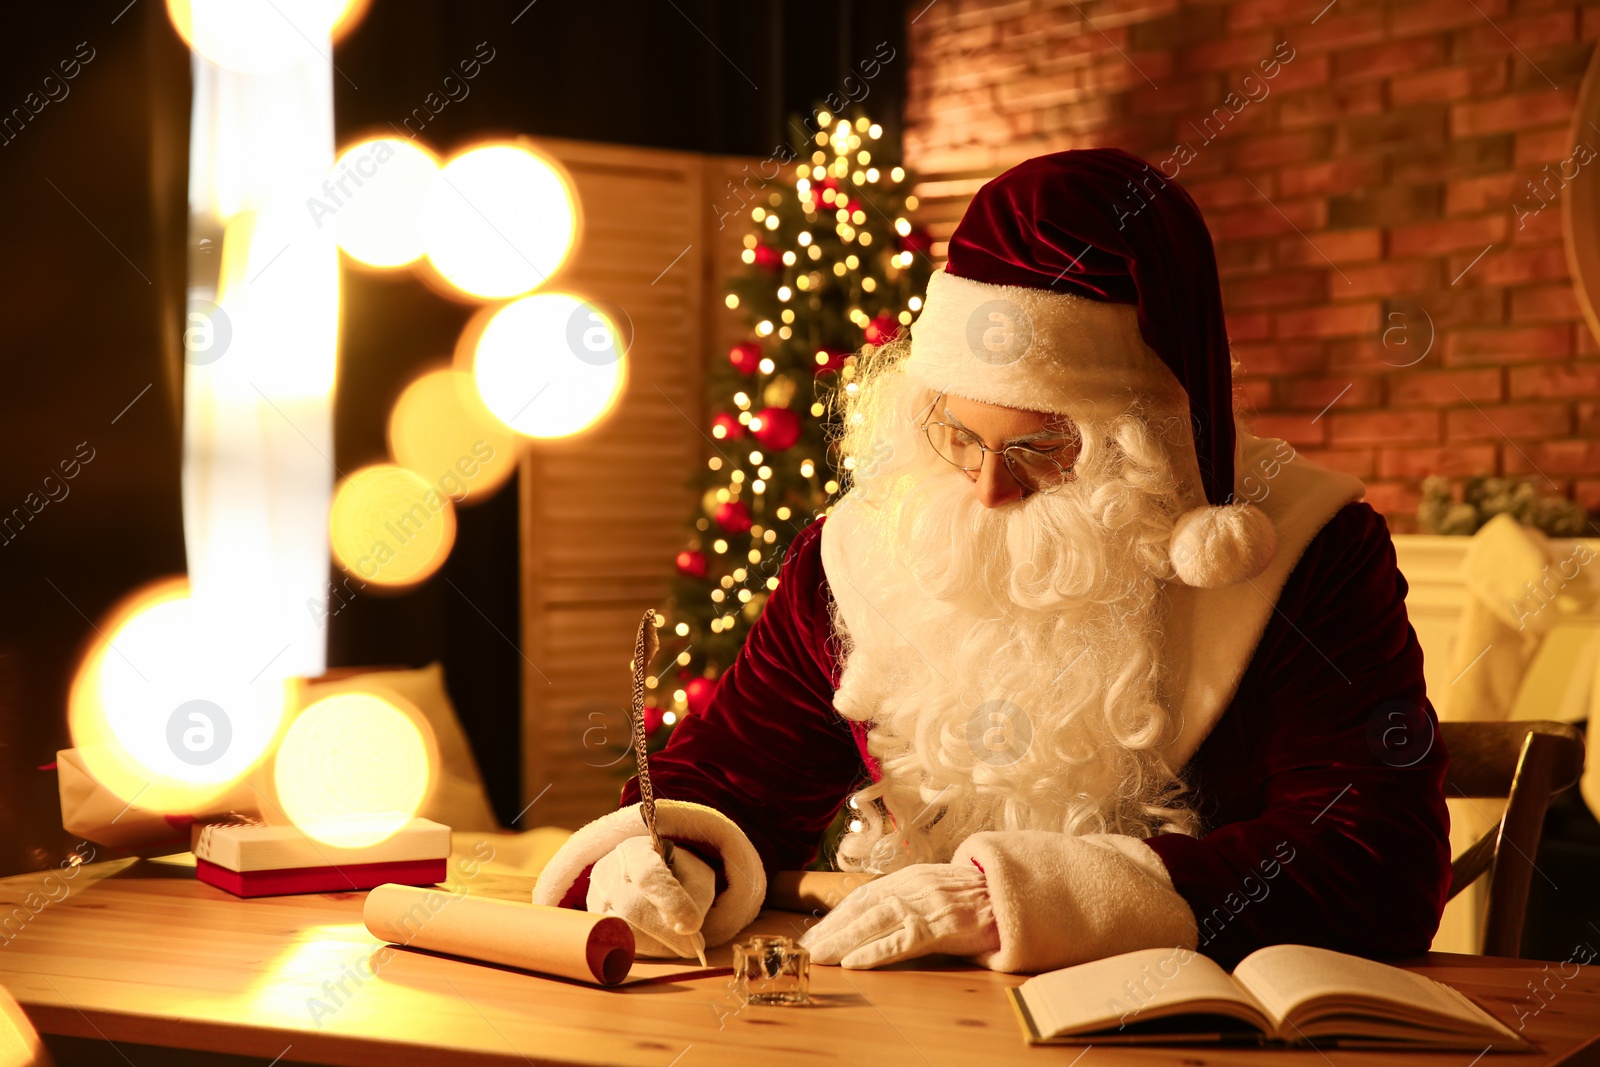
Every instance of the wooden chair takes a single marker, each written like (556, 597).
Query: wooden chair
(1527, 763)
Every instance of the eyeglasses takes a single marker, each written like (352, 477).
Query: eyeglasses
(1037, 466)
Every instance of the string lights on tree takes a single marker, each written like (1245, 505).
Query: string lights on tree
(833, 263)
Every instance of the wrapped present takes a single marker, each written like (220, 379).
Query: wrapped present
(249, 858)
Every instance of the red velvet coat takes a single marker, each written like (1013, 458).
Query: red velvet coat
(1321, 787)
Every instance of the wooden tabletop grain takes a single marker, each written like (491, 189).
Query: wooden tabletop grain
(142, 953)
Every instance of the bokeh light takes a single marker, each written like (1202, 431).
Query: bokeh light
(499, 221)
(375, 192)
(549, 365)
(441, 429)
(354, 768)
(158, 722)
(259, 36)
(389, 526)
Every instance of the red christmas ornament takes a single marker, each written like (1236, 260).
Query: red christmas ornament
(745, 357)
(697, 694)
(918, 240)
(692, 563)
(852, 206)
(835, 360)
(768, 258)
(780, 428)
(732, 428)
(652, 719)
(882, 329)
(733, 516)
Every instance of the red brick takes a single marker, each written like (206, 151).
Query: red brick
(1532, 31)
(1510, 113)
(1553, 459)
(1360, 462)
(1230, 191)
(1470, 196)
(1266, 220)
(1332, 320)
(1379, 61)
(1385, 427)
(1334, 31)
(1465, 305)
(1537, 147)
(1451, 235)
(1394, 498)
(1253, 394)
(1559, 380)
(1536, 225)
(1296, 429)
(1230, 52)
(1446, 387)
(1451, 462)
(1337, 246)
(1521, 422)
(1587, 492)
(1587, 345)
(1254, 14)
(1389, 278)
(1428, 16)
(1275, 149)
(1514, 266)
(1278, 357)
(1318, 394)
(1302, 72)
(1587, 416)
(1445, 84)
(1243, 259)
(1336, 102)
(1255, 327)
(1513, 344)
(1177, 97)
(1280, 289)
(1335, 176)
(1545, 303)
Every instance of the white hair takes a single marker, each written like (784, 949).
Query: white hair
(1009, 664)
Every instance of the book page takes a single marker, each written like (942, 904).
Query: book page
(1136, 987)
(1287, 977)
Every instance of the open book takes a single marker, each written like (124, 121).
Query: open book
(1283, 994)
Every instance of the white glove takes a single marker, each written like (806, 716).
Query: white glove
(664, 906)
(917, 910)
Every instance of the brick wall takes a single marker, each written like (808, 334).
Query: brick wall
(1360, 198)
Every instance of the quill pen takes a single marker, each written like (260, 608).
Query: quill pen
(644, 650)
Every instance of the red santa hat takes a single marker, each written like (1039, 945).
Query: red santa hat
(1078, 283)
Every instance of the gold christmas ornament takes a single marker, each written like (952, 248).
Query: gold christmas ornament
(779, 391)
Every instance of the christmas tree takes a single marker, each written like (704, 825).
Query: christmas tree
(832, 264)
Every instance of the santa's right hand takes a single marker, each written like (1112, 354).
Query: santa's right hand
(665, 906)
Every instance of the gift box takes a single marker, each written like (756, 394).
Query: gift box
(249, 858)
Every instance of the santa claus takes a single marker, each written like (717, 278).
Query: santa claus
(1092, 668)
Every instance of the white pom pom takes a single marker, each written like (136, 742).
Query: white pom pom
(1217, 546)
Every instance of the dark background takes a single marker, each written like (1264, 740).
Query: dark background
(93, 228)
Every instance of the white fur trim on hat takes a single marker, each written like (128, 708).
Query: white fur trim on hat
(1059, 900)
(1037, 350)
(1217, 546)
(732, 910)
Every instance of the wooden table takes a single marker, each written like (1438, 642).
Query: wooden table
(141, 954)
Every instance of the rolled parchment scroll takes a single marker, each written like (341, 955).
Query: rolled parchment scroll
(562, 942)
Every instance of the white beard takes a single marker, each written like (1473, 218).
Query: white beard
(1009, 660)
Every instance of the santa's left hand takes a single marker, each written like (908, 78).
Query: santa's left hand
(917, 910)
